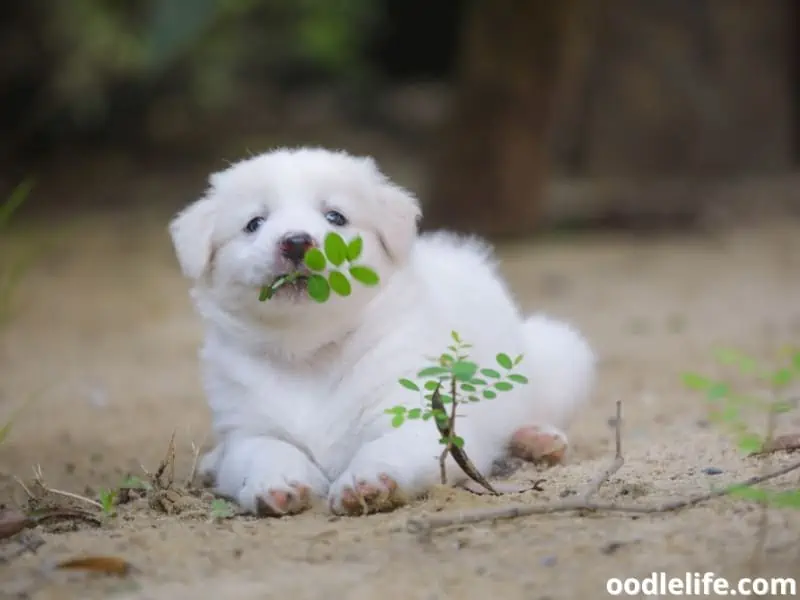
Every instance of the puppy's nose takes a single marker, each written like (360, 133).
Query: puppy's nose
(294, 246)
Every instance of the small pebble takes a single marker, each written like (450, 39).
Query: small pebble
(549, 561)
(712, 471)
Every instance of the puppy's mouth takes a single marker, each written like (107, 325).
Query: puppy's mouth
(290, 284)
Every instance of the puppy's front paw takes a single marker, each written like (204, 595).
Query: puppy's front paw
(354, 495)
(268, 477)
(276, 499)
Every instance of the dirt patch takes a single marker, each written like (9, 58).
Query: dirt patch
(105, 337)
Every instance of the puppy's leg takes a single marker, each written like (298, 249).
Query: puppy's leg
(265, 476)
(402, 466)
(561, 367)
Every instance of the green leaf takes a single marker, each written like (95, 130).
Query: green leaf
(410, 385)
(354, 249)
(433, 372)
(503, 386)
(782, 377)
(734, 358)
(427, 415)
(504, 360)
(364, 275)
(398, 420)
(335, 249)
(431, 385)
(750, 442)
(730, 414)
(467, 387)
(796, 361)
(463, 370)
(446, 359)
(315, 259)
(444, 441)
(18, 195)
(439, 415)
(339, 283)
(318, 288)
(489, 394)
(455, 336)
(696, 382)
(265, 294)
(478, 381)
(782, 406)
(396, 410)
(786, 499)
(518, 378)
(5, 431)
(717, 391)
(490, 373)
(457, 441)
(473, 399)
(445, 398)
(753, 494)
(518, 359)
(134, 483)
(414, 413)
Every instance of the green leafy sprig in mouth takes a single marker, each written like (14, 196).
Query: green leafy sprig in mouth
(268, 291)
(332, 256)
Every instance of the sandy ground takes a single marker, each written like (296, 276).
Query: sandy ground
(105, 338)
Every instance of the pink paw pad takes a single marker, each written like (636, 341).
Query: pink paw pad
(539, 444)
(277, 503)
(366, 497)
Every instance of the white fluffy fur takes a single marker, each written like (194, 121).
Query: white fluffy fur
(298, 389)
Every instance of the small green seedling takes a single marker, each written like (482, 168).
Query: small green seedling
(222, 509)
(460, 377)
(332, 257)
(132, 482)
(108, 499)
(727, 405)
(11, 271)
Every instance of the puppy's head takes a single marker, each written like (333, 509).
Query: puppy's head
(259, 216)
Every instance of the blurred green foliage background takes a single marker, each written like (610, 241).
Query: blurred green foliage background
(67, 64)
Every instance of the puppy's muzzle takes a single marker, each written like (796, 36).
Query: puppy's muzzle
(293, 246)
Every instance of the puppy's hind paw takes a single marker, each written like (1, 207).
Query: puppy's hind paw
(539, 444)
(363, 497)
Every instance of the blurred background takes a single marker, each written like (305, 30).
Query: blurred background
(635, 161)
(506, 116)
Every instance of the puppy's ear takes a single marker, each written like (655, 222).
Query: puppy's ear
(191, 232)
(397, 221)
(398, 216)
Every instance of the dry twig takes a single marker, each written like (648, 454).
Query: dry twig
(39, 478)
(193, 470)
(424, 525)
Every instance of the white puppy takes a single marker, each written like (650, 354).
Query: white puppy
(298, 389)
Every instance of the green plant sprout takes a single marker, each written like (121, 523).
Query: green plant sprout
(460, 377)
(108, 498)
(333, 256)
(222, 509)
(11, 272)
(726, 407)
(10, 275)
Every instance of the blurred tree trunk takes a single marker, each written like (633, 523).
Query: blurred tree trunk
(491, 165)
(678, 88)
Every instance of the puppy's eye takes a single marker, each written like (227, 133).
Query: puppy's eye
(336, 218)
(253, 224)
